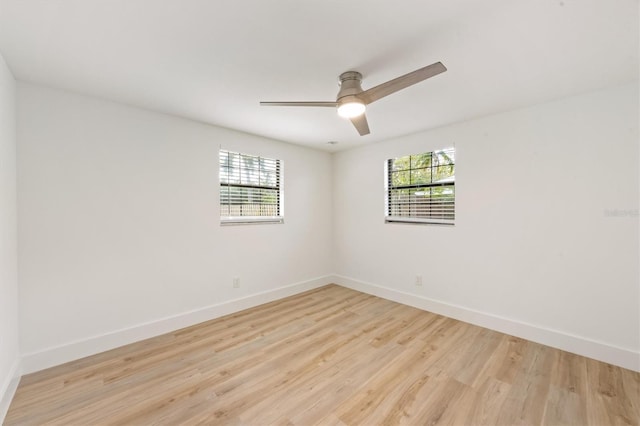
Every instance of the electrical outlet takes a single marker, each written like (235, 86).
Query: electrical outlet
(236, 282)
(419, 280)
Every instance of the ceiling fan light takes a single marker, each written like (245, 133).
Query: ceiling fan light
(351, 109)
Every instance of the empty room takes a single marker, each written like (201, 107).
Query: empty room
(319, 212)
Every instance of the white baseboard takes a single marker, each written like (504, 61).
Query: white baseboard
(575, 344)
(70, 351)
(8, 389)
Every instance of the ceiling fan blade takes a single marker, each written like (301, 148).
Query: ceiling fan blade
(360, 122)
(397, 84)
(306, 104)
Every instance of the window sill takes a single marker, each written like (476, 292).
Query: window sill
(251, 221)
(413, 221)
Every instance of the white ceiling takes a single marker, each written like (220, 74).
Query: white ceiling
(214, 60)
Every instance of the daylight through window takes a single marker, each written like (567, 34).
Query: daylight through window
(250, 188)
(421, 188)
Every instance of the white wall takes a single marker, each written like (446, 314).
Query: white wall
(9, 355)
(535, 250)
(119, 236)
(119, 224)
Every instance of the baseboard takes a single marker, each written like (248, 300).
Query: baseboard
(8, 389)
(70, 351)
(575, 344)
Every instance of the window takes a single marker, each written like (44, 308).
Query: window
(421, 188)
(250, 189)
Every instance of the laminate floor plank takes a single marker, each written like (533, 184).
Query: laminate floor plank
(330, 356)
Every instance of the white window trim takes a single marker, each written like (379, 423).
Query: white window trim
(255, 220)
(407, 219)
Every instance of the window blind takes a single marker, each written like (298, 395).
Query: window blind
(421, 188)
(250, 188)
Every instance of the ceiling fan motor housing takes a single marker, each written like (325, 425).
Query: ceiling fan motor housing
(350, 87)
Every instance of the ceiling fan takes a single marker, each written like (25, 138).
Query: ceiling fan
(352, 100)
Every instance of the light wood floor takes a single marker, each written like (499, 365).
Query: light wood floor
(331, 356)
